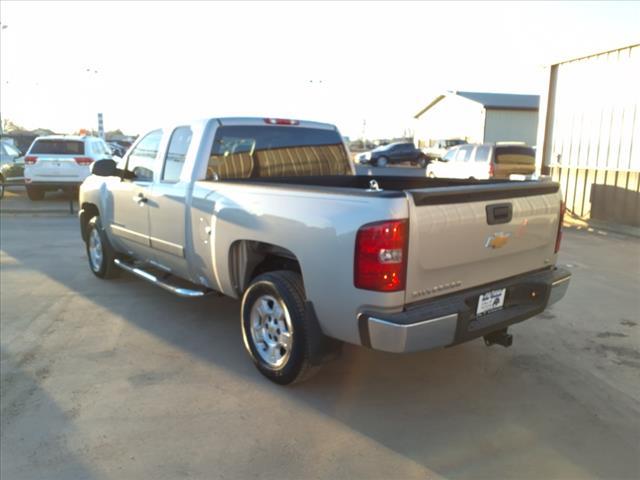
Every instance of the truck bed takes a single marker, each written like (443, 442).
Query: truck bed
(462, 232)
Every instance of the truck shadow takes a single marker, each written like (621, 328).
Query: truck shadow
(467, 411)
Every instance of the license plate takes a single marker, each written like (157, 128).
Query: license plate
(491, 301)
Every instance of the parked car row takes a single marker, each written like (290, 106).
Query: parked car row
(54, 162)
(460, 160)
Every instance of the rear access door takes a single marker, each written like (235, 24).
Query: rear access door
(471, 235)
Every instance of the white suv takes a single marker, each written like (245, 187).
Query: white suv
(61, 162)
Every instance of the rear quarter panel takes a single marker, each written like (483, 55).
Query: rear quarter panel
(318, 228)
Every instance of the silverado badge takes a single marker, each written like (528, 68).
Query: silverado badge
(497, 240)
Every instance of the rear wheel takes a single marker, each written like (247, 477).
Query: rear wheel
(100, 254)
(422, 162)
(274, 327)
(35, 194)
(382, 161)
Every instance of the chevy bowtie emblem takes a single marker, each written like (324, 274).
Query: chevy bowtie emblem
(497, 240)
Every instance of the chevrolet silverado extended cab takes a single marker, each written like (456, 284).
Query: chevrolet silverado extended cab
(271, 211)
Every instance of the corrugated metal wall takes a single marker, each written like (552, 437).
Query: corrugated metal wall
(591, 134)
(511, 126)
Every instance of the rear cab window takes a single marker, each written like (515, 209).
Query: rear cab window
(241, 152)
(57, 147)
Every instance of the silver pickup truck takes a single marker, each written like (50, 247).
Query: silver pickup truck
(271, 211)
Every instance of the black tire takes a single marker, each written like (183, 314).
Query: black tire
(382, 162)
(107, 268)
(287, 288)
(423, 162)
(35, 194)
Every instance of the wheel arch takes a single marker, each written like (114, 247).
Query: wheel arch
(249, 258)
(87, 212)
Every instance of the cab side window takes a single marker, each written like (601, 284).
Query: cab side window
(482, 154)
(176, 154)
(142, 158)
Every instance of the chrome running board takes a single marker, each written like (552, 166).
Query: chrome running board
(149, 277)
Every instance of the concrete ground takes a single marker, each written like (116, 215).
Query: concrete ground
(118, 379)
(15, 200)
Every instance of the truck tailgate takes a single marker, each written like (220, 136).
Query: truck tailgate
(465, 236)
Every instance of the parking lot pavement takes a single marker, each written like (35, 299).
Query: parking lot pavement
(15, 200)
(118, 379)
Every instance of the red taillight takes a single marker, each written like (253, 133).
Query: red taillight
(381, 256)
(492, 169)
(84, 160)
(559, 234)
(30, 160)
(280, 121)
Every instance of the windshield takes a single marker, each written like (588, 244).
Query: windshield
(275, 151)
(58, 147)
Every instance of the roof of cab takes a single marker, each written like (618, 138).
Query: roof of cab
(262, 121)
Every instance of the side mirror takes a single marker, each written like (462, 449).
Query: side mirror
(105, 168)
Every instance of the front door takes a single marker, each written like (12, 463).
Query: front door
(130, 223)
(167, 205)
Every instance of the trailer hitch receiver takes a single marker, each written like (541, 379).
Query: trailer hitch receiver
(499, 337)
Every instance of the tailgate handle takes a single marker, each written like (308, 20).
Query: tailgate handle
(499, 213)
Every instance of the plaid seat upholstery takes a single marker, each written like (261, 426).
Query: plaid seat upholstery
(235, 165)
(302, 161)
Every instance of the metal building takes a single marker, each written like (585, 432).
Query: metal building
(478, 118)
(589, 134)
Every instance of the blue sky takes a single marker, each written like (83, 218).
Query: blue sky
(149, 63)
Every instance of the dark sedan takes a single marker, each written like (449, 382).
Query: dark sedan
(399, 152)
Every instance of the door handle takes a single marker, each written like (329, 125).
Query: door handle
(140, 199)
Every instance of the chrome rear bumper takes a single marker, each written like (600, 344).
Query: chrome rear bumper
(451, 320)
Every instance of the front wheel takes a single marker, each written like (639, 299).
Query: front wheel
(100, 254)
(274, 327)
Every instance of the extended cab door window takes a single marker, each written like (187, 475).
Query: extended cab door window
(143, 156)
(176, 154)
